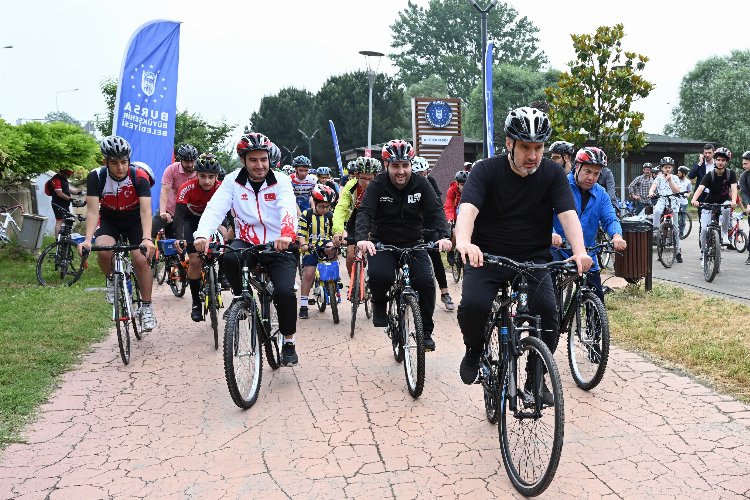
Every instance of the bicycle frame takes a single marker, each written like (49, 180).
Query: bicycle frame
(8, 221)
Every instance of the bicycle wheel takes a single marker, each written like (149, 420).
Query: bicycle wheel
(740, 240)
(59, 264)
(176, 277)
(603, 257)
(243, 357)
(413, 338)
(367, 299)
(491, 369)
(158, 267)
(136, 302)
(531, 434)
(687, 227)
(213, 303)
(588, 343)
(319, 293)
(331, 289)
(457, 266)
(394, 331)
(666, 245)
(354, 296)
(275, 340)
(711, 255)
(122, 321)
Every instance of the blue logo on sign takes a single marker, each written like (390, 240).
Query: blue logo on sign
(438, 113)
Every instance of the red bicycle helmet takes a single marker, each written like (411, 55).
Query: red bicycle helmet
(591, 156)
(398, 150)
(323, 193)
(254, 141)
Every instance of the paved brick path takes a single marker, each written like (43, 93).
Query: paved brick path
(342, 424)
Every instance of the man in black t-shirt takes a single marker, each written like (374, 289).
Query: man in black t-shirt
(721, 184)
(506, 209)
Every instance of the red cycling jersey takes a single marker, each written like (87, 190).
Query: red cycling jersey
(194, 197)
(118, 196)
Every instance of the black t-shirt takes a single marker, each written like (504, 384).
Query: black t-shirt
(515, 213)
(719, 185)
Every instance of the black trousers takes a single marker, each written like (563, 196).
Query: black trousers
(381, 269)
(439, 268)
(480, 287)
(282, 269)
(157, 223)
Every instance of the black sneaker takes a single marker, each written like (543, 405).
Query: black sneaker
(379, 315)
(224, 282)
(448, 301)
(469, 369)
(678, 258)
(547, 398)
(303, 312)
(429, 344)
(747, 262)
(288, 354)
(197, 313)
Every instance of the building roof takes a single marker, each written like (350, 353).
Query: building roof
(666, 139)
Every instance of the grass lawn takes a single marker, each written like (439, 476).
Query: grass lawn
(707, 336)
(43, 331)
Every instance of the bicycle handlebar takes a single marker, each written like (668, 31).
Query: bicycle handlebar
(562, 265)
(261, 248)
(392, 248)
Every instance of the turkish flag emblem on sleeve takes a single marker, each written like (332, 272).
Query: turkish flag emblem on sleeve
(269, 197)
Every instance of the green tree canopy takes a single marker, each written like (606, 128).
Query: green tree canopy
(444, 39)
(512, 87)
(207, 138)
(714, 102)
(61, 116)
(108, 87)
(597, 94)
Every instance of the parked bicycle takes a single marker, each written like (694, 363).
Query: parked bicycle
(712, 247)
(126, 304)
(59, 263)
(8, 223)
(325, 288)
(512, 369)
(737, 236)
(359, 288)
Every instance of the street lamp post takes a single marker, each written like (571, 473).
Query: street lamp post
(483, 12)
(291, 153)
(57, 104)
(309, 142)
(370, 80)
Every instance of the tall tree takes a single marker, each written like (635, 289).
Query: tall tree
(593, 100)
(714, 102)
(61, 116)
(207, 138)
(444, 39)
(108, 86)
(512, 87)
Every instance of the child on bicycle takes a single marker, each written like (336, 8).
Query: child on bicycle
(452, 201)
(192, 198)
(314, 237)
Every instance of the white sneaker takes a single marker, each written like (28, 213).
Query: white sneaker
(724, 239)
(110, 290)
(147, 315)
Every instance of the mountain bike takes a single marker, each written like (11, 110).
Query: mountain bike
(737, 236)
(8, 223)
(455, 261)
(712, 248)
(210, 288)
(602, 238)
(175, 267)
(405, 327)
(252, 326)
(359, 288)
(59, 263)
(512, 369)
(325, 288)
(666, 245)
(126, 304)
(158, 261)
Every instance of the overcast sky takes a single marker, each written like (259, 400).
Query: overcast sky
(234, 53)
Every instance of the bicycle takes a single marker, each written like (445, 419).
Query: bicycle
(712, 248)
(158, 261)
(175, 268)
(252, 324)
(359, 287)
(127, 301)
(8, 222)
(325, 288)
(584, 318)
(602, 238)
(59, 263)
(737, 236)
(666, 245)
(405, 320)
(685, 223)
(456, 263)
(210, 289)
(524, 421)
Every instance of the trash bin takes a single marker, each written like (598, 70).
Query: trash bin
(32, 232)
(636, 261)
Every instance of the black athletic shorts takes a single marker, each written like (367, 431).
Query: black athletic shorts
(126, 224)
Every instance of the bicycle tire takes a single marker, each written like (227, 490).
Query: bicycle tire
(213, 304)
(711, 255)
(158, 268)
(413, 346)
(603, 257)
(491, 368)
(740, 240)
(274, 341)
(394, 328)
(535, 485)
(176, 277)
(687, 227)
(666, 245)
(331, 292)
(589, 349)
(457, 267)
(59, 264)
(135, 303)
(354, 295)
(122, 325)
(243, 353)
(367, 300)
(163, 273)
(320, 296)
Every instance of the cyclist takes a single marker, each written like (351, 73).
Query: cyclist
(594, 210)
(506, 209)
(664, 184)
(396, 208)
(684, 185)
(452, 202)
(562, 153)
(264, 210)
(315, 235)
(118, 204)
(302, 182)
(324, 177)
(638, 189)
(721, 184)
(191, 202)
(345, 214)
(175, 175)
(744, 185)
(60, 190)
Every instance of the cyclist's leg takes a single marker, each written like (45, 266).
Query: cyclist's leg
(705, 217)
(157, 223)
(594, 281)
(675, 228)
(726, 216)
(439, 269)
(309, 265)
(282, 269)
(420, 270)
(658, 210)
(133, 231)
(381, 271)
(105, 235)
(232, 266)
(542, 302)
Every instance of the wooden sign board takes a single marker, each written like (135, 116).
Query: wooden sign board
(432, 134)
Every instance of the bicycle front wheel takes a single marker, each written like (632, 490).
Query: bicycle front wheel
(740, 240)
(413, 337)
(213, 303)
(491, 369)
(243, 357)
(457, 266)
(176, 277)
(531, 433)
(354, 295)
(59, 264)
(711, 255)
(331, 289)
(159, 268)
(122, 321)
(687, 225)
(588, 342)
(666, 246)
(136, 302)
(274, 340)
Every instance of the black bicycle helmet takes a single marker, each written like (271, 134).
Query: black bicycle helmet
(667, 160)
(115, 147)
(528, 124)
(187, 152)
(562, 148)
(461, 176)
(207, 163)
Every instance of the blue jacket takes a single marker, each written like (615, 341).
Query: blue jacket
(599, 211)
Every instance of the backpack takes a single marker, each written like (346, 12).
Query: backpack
(48, 188)
(103, 177)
